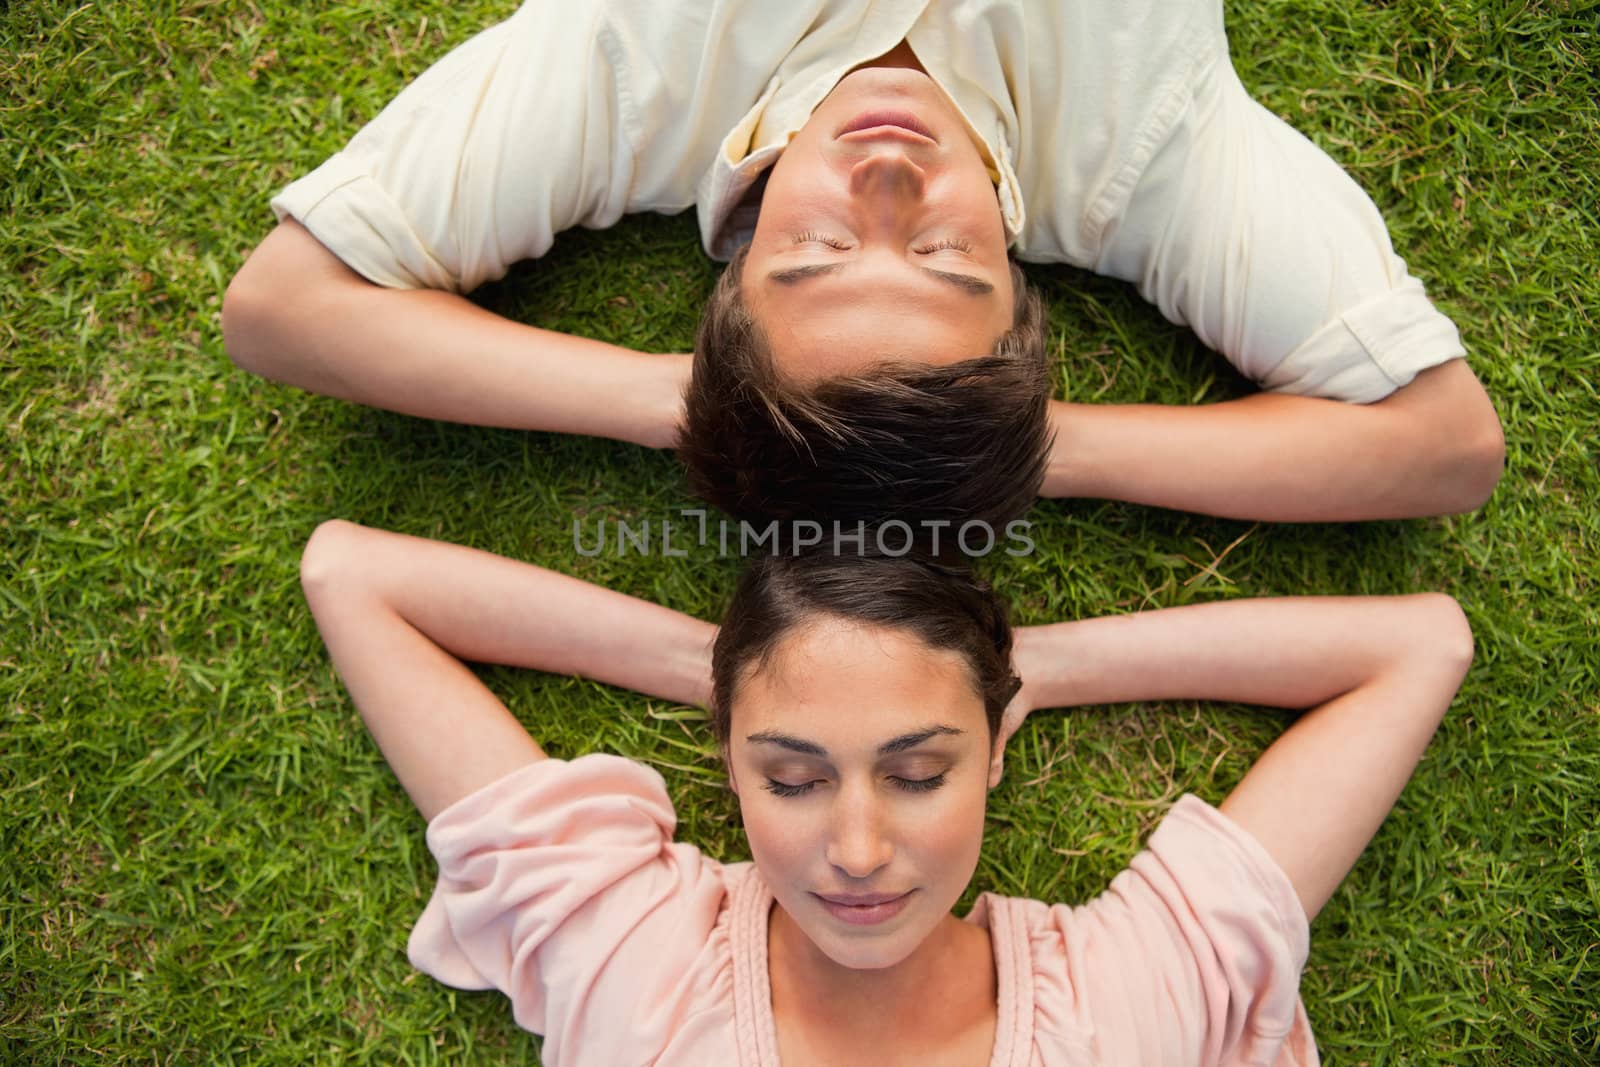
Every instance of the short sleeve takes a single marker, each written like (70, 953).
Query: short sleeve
(517, 134)
(1193, 955)
(1244, 230)
(559, 885)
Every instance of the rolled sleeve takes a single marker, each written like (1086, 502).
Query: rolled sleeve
(515, 135)
(560, 886)
(1193, 955)
(1244, 230)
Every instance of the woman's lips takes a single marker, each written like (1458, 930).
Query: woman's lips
(865, 910)
(877, 118)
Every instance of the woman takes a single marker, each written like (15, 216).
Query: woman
(876, 161)
(862, 705)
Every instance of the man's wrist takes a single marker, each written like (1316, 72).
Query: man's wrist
(669, 379)
(1061, 470)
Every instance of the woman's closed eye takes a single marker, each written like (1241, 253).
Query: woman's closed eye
(909, 785)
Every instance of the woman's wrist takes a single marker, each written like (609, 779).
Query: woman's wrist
(1045, 661)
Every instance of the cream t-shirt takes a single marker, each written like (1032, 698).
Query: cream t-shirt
(1121, 141)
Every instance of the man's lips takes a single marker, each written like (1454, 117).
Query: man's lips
(879, 118)
(864, 909)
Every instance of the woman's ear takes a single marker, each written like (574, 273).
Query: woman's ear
(727, 763)
(997, 762)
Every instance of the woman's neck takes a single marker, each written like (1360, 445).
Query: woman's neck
(943, 989)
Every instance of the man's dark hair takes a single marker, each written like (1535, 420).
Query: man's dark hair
(945, 607)
(912, 441)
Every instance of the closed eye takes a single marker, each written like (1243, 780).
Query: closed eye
(783, 789)
(909, 785)
(812, 237)
(947, 243)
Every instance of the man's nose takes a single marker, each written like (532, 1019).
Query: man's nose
(888, 181)
(858, 845)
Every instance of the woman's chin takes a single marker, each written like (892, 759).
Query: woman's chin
(868, 955)
(867, 948)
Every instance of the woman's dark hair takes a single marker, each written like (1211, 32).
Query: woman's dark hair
(901, 440)
(946, 607)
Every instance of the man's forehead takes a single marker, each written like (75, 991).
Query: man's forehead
(819, 338)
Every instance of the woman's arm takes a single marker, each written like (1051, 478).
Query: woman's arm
(296, 314)
(1377, 674)
(399, 615)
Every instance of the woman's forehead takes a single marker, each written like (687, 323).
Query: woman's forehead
(844, 684)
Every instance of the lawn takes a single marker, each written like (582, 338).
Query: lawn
(204, 859)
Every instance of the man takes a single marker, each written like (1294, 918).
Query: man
(871, 351)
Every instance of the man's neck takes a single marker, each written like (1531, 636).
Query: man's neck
(900, 55)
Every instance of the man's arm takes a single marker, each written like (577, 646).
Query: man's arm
(400, 615)
(1377, 674)
(1432, 447)
(295, 313)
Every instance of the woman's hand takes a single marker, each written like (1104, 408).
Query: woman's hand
(1374, 675)
(1031, 658)
(401, 614)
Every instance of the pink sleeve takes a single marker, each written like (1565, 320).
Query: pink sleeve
(1193, 955)
(560, 886)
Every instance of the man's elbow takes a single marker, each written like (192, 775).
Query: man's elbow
(1481, 460)
(246, 318)
(1471, 451)
(1455, 432)
(279, 299)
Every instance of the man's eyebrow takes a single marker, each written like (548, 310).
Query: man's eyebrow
(800, 274)
(970, 283)
(888, 748)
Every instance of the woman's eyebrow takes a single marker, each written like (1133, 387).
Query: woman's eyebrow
(789, 741)
(811, 748)
(912, 740)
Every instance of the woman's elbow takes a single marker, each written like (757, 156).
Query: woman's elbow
(328, 562)
(1444, 633)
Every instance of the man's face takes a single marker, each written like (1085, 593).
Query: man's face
(880, 236)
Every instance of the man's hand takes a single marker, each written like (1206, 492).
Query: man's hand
(1433, 447)
(666, 383)
(296, 314)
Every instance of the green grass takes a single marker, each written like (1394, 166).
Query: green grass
(204, 858)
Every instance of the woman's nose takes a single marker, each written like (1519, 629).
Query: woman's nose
(858, 845)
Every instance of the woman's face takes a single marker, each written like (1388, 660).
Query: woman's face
(860, 756)
(880, 235)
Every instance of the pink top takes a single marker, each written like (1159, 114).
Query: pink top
(561, 886)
